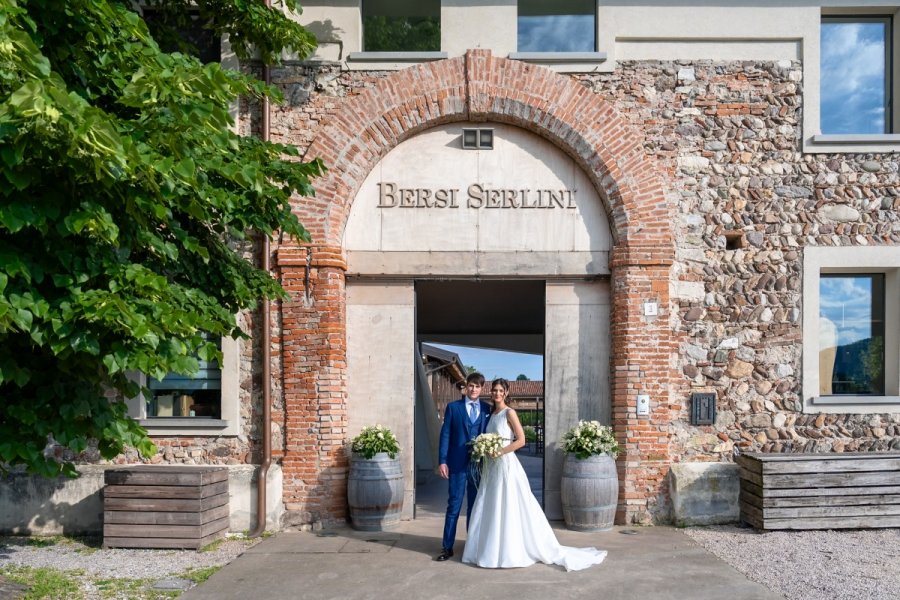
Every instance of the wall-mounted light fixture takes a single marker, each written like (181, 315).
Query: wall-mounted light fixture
(478, 139)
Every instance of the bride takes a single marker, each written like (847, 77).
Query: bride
(507, 527)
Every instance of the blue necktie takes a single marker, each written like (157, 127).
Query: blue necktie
(473, 412)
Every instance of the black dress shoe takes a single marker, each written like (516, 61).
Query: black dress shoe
(444, 555)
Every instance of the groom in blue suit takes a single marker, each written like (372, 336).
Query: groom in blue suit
(464, 420)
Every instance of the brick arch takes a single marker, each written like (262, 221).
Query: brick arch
(480, 87)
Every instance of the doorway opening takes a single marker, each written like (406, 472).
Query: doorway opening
(497, 328)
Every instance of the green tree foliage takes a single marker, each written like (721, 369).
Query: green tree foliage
(401, 34)
(522, 377)
(124, 196)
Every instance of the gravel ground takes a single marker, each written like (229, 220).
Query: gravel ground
(800, 565)
(858, 564)
(114, 563)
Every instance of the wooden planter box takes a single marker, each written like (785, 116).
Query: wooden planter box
(150, 506)
(820, 491)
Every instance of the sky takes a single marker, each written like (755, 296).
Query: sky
(556, 33)
(853, 84)
(496, 363)
(847, 303)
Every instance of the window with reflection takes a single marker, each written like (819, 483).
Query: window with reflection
(401, 25)
(199, 395)
(851, 334)
(559, 26)
(855, 75)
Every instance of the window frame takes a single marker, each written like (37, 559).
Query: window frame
(819, 260)
(227, 425)
(393, 53)
(888, 21)
(878, 280)
(814, 141)
(536, 54)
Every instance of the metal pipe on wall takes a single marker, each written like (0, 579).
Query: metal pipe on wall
(266, 316)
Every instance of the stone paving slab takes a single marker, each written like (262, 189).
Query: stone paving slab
(653, 563)
(10, 590)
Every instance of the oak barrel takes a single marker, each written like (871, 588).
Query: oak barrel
(590, 492)
(375, 492)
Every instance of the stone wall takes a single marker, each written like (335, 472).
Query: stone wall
(726, 137)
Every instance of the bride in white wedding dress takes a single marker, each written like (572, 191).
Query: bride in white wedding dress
(507, 527)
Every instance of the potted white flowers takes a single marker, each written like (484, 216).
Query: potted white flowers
(590, 485)
(375, 484)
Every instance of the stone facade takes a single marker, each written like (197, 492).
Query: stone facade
(711, 201)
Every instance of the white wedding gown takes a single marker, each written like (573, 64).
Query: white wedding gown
(507, 527)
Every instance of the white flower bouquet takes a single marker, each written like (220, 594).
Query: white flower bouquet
(374, 439)
(486, 445)
(590, 438)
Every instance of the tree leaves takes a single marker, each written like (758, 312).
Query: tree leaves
(122, 191)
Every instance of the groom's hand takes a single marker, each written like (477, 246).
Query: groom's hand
(444, 472)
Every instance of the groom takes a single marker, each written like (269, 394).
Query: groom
(464, 420)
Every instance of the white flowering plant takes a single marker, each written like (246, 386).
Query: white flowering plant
(374, 439)
(486, 445)
(590, 438)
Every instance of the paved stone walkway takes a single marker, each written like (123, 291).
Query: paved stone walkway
(10, 590)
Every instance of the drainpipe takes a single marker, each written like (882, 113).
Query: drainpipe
(266, 316)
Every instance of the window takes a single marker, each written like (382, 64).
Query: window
(851, 329)
(851, 334)
(184, 396)
(856, 83)
(176, 31)
(401, 26)
(560, 26)
(207, 404)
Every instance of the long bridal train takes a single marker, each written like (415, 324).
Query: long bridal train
(507, 527)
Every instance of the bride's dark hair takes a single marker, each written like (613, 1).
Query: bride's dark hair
(502, 382)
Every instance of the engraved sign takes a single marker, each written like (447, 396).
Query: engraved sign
(476, 196)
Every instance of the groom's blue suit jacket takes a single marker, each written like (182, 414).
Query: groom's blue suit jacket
(457, 431)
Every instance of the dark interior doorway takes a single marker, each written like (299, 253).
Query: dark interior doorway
(504, 316)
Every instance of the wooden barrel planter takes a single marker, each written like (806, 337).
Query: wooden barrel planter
(590, 492)
(375, 492)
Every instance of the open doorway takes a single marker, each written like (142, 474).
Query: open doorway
(497, 328)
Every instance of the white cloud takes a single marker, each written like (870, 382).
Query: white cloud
(556, 33)
(853, 77)
(847, 302)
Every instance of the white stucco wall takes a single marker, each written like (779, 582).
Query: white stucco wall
(666, 30)
(381, 368)
(478, 241)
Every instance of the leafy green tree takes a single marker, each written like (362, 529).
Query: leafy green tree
(401, 34)
(522, 377)
(125, 202)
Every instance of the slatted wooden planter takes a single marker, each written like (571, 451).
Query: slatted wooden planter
(820, 491)
(151, 506)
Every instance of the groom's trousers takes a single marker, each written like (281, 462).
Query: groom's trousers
(460, 484)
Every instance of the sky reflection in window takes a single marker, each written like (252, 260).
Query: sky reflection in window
(853, 89)
(572, 27)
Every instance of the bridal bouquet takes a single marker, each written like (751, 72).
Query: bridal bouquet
(374, 439)
(590, 438)
(486, 445)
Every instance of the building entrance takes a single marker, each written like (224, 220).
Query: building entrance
(504, 247)
(389, 320)
(503, 316)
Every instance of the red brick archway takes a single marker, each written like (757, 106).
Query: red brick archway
(476, 87)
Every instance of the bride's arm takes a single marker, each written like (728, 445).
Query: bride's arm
(513, 419)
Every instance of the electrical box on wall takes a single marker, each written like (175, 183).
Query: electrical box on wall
(703, 408)
(643, 405)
